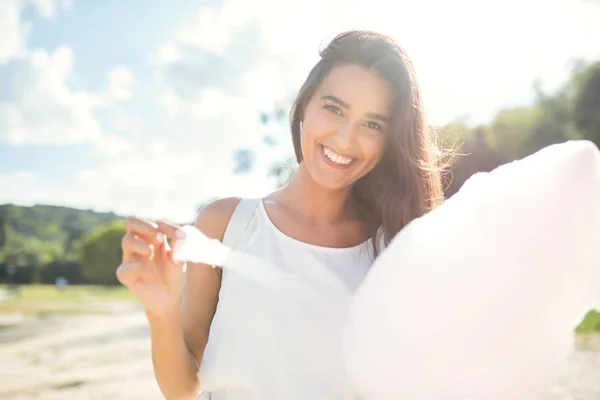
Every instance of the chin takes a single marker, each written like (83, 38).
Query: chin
(332, 183)
(332, 179)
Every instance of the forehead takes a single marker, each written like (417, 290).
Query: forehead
(358, 87)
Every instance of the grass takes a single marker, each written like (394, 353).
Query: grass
(48, 299)
(590, 324)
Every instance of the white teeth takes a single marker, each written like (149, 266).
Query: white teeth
(336, 158)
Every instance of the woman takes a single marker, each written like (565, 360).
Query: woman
(368, 165)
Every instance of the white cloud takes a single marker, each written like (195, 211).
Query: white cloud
(42, 109)
(214, 78)
(164, 172)
(112, 146)
(166, 53)
(121, 82)
(39, 104)
(212, 28)
(471, 57)
(23, 183)
(127, 123)
(49, 8)
(14, 31)
(46, 8)
(156, 183)
(190, 69)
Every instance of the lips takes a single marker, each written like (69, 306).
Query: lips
(336, 160)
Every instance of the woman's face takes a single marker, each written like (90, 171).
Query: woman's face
(345, 125)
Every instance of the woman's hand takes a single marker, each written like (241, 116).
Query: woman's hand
(148, 269)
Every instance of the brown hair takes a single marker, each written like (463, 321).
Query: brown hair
(407, 181)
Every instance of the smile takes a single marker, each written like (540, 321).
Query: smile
(335, 158)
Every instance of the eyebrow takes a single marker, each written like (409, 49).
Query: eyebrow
(342, 103)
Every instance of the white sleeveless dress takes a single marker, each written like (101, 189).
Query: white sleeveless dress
(266, 345)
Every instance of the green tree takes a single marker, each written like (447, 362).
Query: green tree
(35, 261)
(2, 231)
(244, 160)
(553, 121)
(48, 231)
(586, 112)
(284, 164)
(100, 253)
(510, 131)
(283, 171)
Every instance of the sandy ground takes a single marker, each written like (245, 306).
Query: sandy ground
(581, 378)
(107, 356)
(94, 357)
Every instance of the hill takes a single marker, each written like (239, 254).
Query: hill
(41, 234)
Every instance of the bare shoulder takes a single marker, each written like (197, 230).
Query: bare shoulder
(214, 217)
(203, 282)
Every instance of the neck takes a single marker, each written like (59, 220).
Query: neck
(313, 201)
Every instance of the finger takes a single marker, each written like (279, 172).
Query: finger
(134, 247)
(168, 256)
(171, 230)
(129, 272)
(146, 229)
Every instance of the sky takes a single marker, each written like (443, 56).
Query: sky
(137, 106)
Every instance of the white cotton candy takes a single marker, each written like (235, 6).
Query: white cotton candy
(196, 247)
(479, 298)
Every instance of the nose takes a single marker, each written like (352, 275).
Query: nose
(344, 136)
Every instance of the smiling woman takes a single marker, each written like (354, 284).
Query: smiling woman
(368, 165)
(361, 107)
(341, 140)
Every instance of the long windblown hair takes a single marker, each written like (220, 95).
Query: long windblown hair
(407, 182)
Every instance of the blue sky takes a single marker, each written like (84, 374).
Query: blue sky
(137, 106)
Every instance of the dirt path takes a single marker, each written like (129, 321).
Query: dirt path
(78, 357)
(107, 356)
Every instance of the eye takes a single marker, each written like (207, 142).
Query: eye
(373, 125)
(334, 109)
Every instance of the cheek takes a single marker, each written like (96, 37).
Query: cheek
(372, 146)
(316, 127)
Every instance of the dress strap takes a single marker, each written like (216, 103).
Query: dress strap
(239, 222)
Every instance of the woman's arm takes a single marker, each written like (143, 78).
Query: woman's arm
(179, 339)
